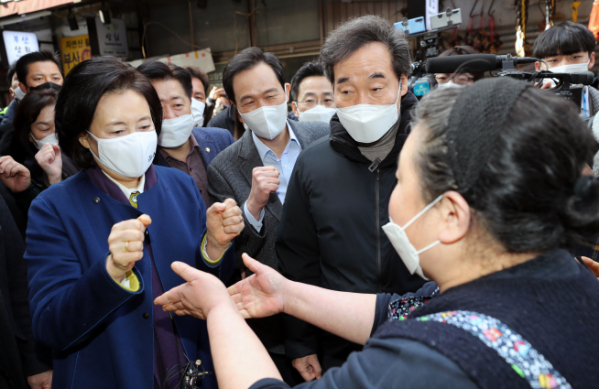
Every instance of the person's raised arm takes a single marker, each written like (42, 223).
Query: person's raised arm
(239, 357)
(348, 315)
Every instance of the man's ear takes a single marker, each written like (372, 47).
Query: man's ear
(404, 84)
(591, 61)
(287, 90)
(295, 109)
(537, 66)
(455, 218)
(23, 87)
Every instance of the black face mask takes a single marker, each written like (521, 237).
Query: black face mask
(47, 85)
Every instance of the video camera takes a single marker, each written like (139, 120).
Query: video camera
(421, 83)
(568, 85)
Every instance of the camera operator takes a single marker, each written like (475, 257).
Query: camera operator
(569, 48)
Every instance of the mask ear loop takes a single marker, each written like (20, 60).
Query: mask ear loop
(422, 212)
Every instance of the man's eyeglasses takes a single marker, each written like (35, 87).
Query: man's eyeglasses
(460, 79)
(310, 103)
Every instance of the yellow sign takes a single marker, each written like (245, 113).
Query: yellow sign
(74, 50)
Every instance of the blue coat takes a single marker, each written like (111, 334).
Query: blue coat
(212, 141)
(101, 334)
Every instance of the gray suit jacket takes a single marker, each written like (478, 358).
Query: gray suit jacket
(230, 176)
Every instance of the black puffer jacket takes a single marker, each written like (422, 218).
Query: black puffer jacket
(330, 231)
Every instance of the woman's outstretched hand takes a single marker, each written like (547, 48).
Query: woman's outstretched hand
(201, 293)
(260, 295)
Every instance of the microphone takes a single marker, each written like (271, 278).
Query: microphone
(472, 63)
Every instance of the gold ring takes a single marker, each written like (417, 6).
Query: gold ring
(126, 246)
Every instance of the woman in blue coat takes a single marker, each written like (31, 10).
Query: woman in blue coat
(100, 244)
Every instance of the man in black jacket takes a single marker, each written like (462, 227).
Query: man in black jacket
(340, 187)
(22, 361)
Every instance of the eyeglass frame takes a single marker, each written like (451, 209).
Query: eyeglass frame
(451, 78)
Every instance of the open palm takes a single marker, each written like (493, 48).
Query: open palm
(260, 295)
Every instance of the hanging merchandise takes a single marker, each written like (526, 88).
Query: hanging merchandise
(594, 20)
(496, 42)
(521, 19)
(575, 4)
(469, 40)
(549, 13)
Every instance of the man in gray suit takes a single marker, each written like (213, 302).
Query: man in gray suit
(255, 170)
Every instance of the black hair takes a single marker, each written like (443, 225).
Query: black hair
(309, 69)
(11, 72)
(564, 39)
(246, 60)
(156, 70)
(83, 87)
(22, 65)
(200, 75)
(355, 33)
(525, 194)
(459, 50)
(28, 110)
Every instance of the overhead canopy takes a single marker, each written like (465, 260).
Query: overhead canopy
(27, 6)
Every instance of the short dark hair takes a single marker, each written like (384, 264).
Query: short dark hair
(200, 75)
(83, 87)
(156, 70)
(22, 65)
(355, 33)
(309, 69)
(463, 50)
(11, 72)
(246, 60)
(29, 109)
(525, 195)
(564, 39)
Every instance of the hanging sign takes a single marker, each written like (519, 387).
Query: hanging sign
(74, 50)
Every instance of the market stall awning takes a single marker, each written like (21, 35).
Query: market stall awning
(28, 6)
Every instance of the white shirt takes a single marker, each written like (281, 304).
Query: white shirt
(284, 165)
(128, 191)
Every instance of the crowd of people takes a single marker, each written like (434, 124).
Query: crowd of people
(330, 232)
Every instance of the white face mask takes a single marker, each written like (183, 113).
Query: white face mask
(175, 131)
(570, 68)
(197, 111)
(130, 155)
(398, 238)
(51, 139)
(320, 113)
(19, 94)
(268, 121)
(450, 84)
(367, 123)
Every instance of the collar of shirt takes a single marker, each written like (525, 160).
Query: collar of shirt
(264, 150)
(128, 191)
(194, 144)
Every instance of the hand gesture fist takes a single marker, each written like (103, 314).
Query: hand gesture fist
(49, 158)
(15, 176)
(126, 245)
(265, 180)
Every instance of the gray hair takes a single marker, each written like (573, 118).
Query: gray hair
(355, 33)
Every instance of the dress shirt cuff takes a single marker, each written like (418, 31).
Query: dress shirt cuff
(207, 259)
(257, 224)
(131, 282)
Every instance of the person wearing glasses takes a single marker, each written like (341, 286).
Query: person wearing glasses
(312, 94)
(448, 80)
